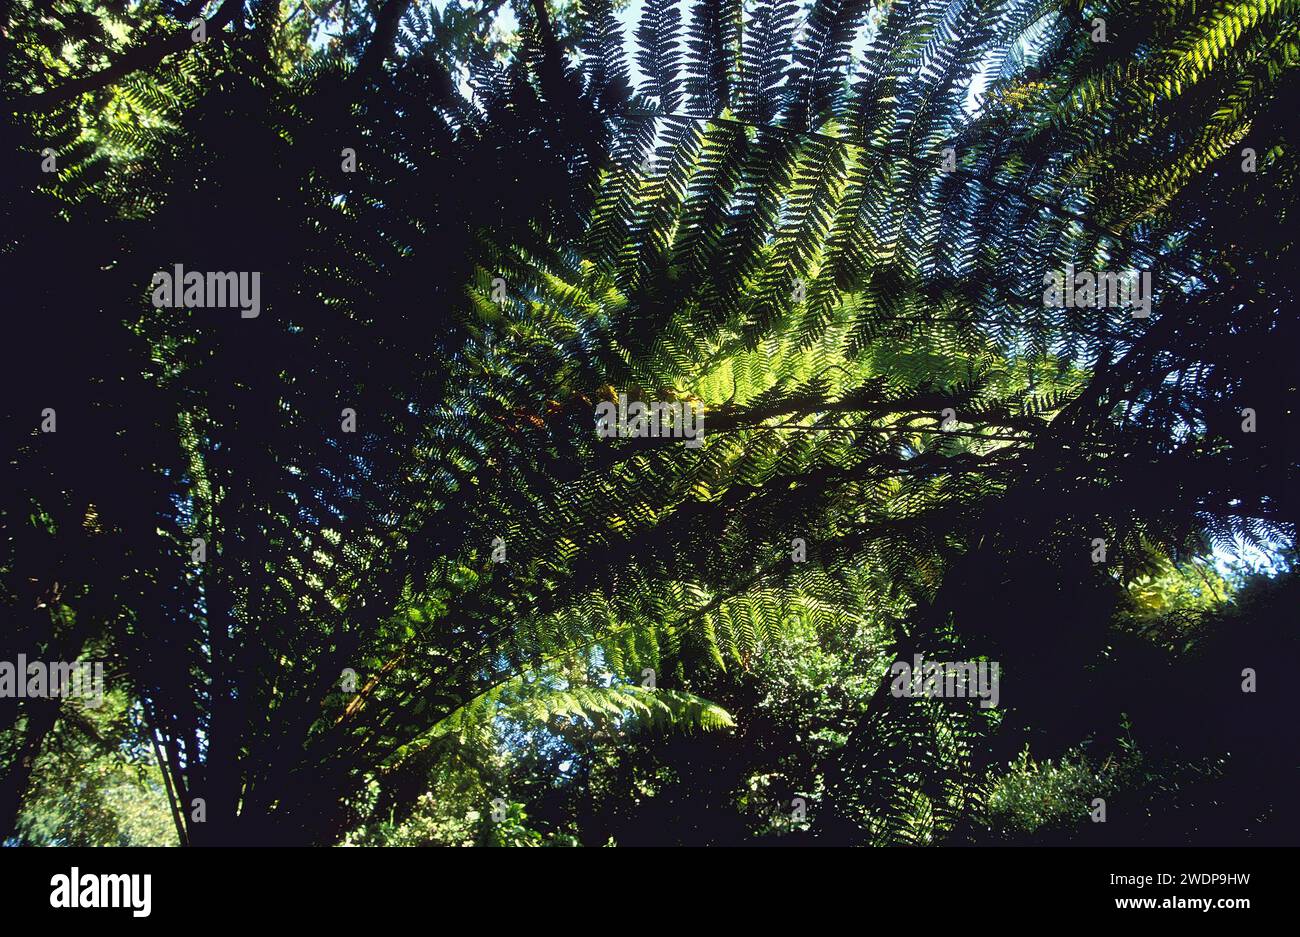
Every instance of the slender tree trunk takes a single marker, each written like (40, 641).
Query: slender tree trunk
(41, 714)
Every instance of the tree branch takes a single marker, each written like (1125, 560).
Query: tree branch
(141, 57)
(381, 41)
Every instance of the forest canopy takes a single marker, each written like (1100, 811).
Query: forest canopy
(705, 422)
